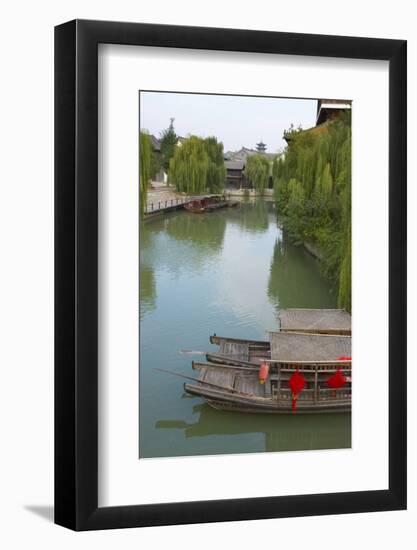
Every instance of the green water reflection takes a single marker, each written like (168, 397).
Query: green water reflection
(227, 272)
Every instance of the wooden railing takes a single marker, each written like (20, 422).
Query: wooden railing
(315, 374)
(162, 205)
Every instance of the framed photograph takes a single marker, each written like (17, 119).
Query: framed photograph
(230, 275)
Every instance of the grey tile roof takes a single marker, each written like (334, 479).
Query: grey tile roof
(296, 346)
(315, 319)
(156, 144)
(234, 164)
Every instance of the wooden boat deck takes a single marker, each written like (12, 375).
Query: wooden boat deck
(231, 380)
(319, 321)
(239, 352)
(235, 349)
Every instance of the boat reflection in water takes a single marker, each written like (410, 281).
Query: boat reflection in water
(286, 433)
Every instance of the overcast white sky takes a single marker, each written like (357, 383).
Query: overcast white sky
(234, 120)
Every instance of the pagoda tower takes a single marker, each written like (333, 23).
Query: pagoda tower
(261, 147)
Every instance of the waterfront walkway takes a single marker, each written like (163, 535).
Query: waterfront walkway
(163, 199)
(161, 196)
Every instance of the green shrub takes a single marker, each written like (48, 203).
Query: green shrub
(145, 168)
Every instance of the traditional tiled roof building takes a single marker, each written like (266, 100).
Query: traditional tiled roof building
(235, 176)
(327, 111)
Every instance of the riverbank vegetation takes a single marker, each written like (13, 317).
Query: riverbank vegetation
(145, 168)
(312, 186)
(168, 143)
(257, 172)
(197, 166)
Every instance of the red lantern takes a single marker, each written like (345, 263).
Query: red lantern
(344, 358)
(337, 380)
(296, 383)
(263, 372)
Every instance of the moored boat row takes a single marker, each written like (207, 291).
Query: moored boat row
(200, 205)
(293, 371)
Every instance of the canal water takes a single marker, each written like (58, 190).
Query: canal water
(227, 272)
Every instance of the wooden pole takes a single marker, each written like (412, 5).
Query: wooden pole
(279, 383)
(229, 388)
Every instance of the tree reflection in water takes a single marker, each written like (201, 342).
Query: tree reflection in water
(147, 290)
(252, 215)
(293, 275)
(182, 241)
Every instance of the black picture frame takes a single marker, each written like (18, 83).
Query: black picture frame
(76, 273)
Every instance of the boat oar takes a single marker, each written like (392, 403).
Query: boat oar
(198, 380)
(192, 352)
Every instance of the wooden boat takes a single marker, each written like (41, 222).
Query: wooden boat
(239, 389)
(258, 376)
(282, 346)
(230, 379)
(207, 204)
(197, 206)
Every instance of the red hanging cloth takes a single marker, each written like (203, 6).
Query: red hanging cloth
(296, 383)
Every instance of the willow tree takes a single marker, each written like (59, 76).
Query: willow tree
(145, 168)
(324, 182)
(280, 181)
(198, 166)
(343, 183)
(189, 165)
(344, 298)
(312, 186)
(216, 170)
(257, 171)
